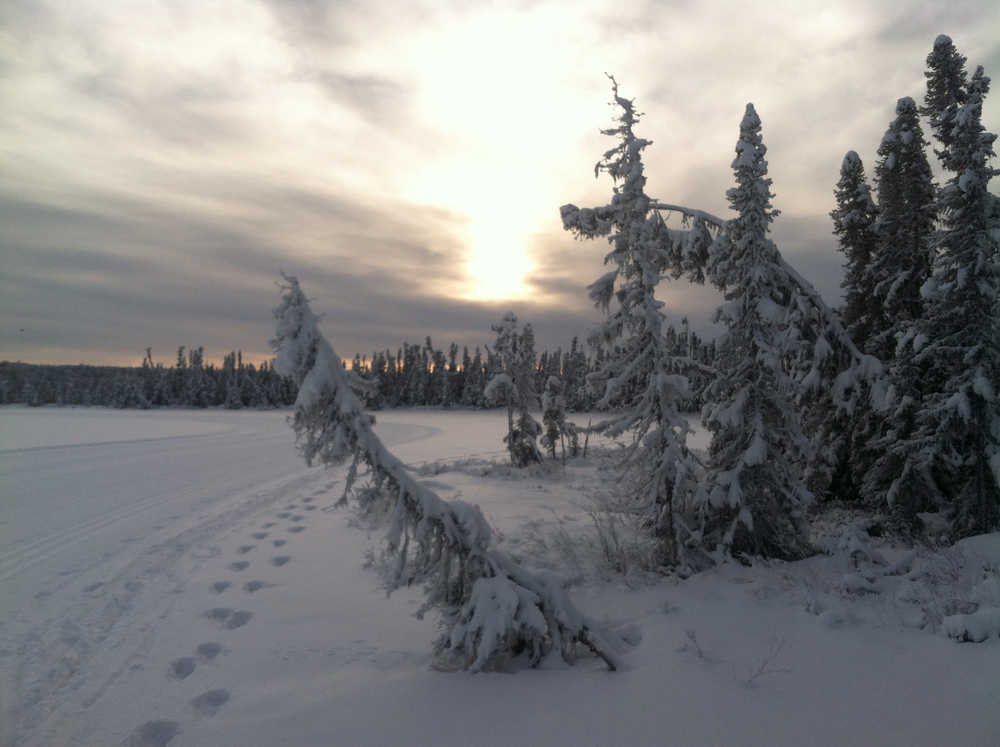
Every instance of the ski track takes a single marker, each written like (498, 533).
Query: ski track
(67, 660)
(86, 597)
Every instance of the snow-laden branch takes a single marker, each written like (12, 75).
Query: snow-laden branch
(687, 212)
(806, 288)
(842, 376)
(490, 605)
(859, 366)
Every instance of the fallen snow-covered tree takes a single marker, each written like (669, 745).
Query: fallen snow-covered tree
(490, 606)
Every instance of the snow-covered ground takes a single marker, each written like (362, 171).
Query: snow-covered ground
(180, 577)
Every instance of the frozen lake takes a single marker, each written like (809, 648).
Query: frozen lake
(99, 509)
(179, 577)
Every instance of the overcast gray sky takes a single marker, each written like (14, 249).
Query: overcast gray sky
(160, 162)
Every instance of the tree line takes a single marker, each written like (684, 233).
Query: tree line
(190, 382)
(411, 376)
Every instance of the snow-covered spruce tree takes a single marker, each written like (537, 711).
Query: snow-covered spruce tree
(853, 224)
(514, 387)
(490, 606)
(758, 494)
(946, 81)
(952, 459)
(902, 262)
(899, 267)
(833, 378)
(557, 430)
(527, 429)
(642, 381)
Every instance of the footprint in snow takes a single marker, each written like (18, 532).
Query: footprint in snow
(283, 515)
(157, 733)
(93, 587)
(244, 549)
(181, 668)
(310, 508)
(259, 535)
(252, 586)
(239, 619)
(230, 618)
(220, 586)
(220, 614)
(209, 651)
(279, 543)
(298, 517)
(290, 506)
(209, 702)
(240, 565)
(280, 560)
(310, 499)
(297, 529)
(269, 524)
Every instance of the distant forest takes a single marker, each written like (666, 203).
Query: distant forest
(411, 376)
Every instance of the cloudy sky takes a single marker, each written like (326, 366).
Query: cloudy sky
(161, 162)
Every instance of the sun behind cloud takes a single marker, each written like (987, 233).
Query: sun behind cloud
(498, 263)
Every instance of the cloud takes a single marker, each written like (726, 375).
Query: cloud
(161, 166)
(377, 98)
(210, 275)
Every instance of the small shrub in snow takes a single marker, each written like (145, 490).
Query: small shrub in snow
(624, 545)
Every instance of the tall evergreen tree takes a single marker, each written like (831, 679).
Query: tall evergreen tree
(643, 381)
(853, 224)
(472, 393)
(956, 446)
(758, 494)
(946, 81)
(902, 263)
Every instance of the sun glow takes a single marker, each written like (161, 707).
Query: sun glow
(491, 93)
(498, 263)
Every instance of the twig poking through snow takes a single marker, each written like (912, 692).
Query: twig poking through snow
(766, 665)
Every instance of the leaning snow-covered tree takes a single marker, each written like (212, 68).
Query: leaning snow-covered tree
(758, 450)
(643, 381)
(490, 606)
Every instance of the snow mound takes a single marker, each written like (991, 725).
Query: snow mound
(979, 626)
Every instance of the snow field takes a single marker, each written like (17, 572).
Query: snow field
(301, 647)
